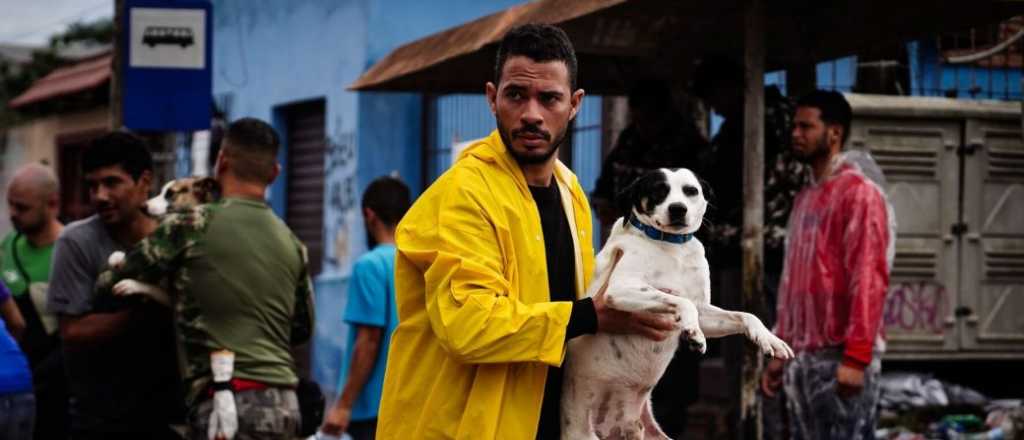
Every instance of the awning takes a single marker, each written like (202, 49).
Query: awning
(620, 41)
(67, 80)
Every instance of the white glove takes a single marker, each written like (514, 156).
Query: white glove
(224, 417)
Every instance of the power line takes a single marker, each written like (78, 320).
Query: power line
(51, 25)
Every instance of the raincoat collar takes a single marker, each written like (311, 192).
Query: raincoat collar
(493, 150)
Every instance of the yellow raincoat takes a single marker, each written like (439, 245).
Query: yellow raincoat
(476, 329)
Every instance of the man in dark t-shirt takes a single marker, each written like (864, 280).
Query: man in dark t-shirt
(119, 356)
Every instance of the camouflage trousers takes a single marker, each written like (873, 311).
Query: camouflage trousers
(268, 414)
(814, 408)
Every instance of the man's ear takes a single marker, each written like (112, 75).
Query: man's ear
(492, 96)
(275, 173)
(146, 180)
(575, 101)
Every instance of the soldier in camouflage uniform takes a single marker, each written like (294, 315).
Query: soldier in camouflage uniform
(240, 283)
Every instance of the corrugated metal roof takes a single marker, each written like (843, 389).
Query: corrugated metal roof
(66, 80)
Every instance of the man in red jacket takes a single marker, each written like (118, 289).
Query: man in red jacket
(834, 283)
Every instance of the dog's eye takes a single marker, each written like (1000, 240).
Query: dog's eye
(690, 191)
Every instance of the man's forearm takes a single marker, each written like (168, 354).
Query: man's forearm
(82, 332)
(364, 358)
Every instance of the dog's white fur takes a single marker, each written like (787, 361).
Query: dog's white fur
(609, 378)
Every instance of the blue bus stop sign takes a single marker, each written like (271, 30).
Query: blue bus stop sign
(167, 48)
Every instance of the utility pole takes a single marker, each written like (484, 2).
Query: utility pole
(753, 208)
(116, 71)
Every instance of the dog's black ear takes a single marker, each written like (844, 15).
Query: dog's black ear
(705, 188)
(626, 199)
(211, 187)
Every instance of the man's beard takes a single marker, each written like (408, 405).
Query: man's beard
(27, 229)
(820, 150)
(524, 159)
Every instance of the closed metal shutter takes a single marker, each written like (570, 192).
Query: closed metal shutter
(305, 174)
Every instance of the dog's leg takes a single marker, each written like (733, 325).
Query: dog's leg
(690, 324)
(630, 293)
(651, 429)
(577, 401)
(132, 287)
(717, 322)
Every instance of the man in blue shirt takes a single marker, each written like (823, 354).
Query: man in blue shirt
(17, 401)
(370, 312)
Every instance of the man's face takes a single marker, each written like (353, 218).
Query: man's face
(810, 134)
(117, 197)
(533, 106)
(30, 210)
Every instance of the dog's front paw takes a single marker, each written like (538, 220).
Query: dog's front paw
(116, 259)
(695, 339)
(128, 287)
(765, 340)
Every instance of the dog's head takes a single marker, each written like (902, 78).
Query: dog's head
(671, 200)
(182, 194)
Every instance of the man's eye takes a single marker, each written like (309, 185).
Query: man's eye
(690, 191)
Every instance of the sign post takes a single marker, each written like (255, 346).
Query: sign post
(166, 80)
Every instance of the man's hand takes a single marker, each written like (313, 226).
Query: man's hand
(850, 381)
(771, 378)
(336, 421)
(655, 326)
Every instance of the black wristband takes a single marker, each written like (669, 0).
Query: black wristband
(582, 319)
(221, 386)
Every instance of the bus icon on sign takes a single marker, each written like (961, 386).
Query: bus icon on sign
(172, 36)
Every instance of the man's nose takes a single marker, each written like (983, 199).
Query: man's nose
(676, 210)
(531, 114)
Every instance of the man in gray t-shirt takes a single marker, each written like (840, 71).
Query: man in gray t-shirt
(119, 354)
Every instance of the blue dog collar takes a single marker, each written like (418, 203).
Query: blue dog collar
(657, 234)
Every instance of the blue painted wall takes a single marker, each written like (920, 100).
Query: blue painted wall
(269, 54)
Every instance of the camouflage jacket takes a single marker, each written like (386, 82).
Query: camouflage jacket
(175, 253)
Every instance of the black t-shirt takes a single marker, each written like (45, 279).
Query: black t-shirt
(561, 262)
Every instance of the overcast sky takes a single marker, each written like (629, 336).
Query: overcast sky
(32, 22)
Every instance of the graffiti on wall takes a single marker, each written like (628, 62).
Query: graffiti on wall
(916, 307)
(342, 209)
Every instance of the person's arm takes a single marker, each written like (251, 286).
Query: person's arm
(472, 307)
(12, 317)
(94, 329)
(303, 317)
(361, 366)
(865, 241)
(159, 253)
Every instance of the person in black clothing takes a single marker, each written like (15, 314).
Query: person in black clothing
(657, 136)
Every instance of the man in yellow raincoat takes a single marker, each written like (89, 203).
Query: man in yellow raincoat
(492, 264)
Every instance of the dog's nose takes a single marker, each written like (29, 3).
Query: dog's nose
(676, 210)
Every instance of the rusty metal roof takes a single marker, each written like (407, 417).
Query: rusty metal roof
(618, 41)
(67, 80)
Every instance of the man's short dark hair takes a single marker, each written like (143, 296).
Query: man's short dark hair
(540, 43)
(253, 145)
(833, 107)
(118, 148)
(387, 197)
